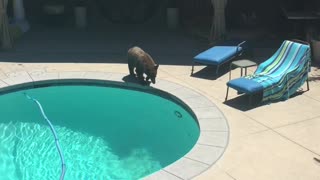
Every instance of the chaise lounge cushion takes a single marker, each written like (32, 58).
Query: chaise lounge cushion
(245, 85)
(217, 55)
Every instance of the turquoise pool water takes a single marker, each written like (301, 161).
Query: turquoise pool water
(104, 133)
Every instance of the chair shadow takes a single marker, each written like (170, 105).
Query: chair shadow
(314, 78)
(241, 102)
(132, 79)
(209, 72)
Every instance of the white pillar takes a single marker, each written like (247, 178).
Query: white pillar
(80, 14)
(173, 18)
(18, 10)
(19, 15)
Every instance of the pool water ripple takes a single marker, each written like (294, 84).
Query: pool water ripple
(34, 155)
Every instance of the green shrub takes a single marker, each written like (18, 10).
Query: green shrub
(15, 32)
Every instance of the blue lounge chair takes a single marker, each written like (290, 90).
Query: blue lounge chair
(218, 55)
(278, 77)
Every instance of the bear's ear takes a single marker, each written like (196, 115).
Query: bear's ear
(156, 66)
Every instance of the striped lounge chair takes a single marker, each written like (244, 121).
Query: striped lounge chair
(278, 77)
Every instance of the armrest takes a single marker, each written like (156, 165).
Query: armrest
(240, 44)
(292, 72)
(300, 41)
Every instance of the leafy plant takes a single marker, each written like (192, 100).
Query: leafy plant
(316, 36)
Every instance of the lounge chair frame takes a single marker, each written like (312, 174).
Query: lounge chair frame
(238, 53)
(307, 80)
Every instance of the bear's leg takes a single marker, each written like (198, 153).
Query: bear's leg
(131, 67)
(132, 64)
(139, 71)
(140, 76)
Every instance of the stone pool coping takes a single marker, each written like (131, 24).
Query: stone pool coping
(214, 128)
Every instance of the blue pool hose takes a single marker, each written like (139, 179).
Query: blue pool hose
(63, 165)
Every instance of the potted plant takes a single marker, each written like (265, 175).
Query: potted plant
(315, 47)
(172, 14)
(315, 38)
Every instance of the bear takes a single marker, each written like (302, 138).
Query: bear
(143, 63)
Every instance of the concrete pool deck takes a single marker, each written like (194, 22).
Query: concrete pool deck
(272, 141)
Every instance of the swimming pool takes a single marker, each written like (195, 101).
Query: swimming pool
(104, 132)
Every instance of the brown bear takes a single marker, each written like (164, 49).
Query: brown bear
(143, 64)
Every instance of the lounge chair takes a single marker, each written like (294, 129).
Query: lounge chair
(278, 77)
(218, 55)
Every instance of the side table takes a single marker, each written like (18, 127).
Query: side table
(243, 64)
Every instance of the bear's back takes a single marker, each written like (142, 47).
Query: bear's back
(139, 55)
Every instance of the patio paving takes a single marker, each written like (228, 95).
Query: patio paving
(275, 141)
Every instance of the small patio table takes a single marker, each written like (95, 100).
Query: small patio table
(243, 64)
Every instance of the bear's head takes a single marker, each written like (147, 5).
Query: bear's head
(153, 73)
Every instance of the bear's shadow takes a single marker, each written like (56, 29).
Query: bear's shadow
(133, 79)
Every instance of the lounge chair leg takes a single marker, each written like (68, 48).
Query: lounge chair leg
(230, 69)
(308, 84)
(227, 94)
(192, 68)
(217, 70)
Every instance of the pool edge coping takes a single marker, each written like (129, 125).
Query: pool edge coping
(206, 151)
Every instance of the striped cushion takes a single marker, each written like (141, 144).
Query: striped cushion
(283, 73)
